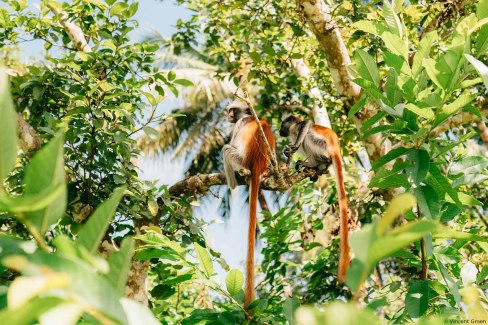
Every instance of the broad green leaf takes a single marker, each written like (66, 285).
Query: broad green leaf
(155, 239)
(397, 206)
(434, 73)
(8, 127)
(46, 170)
(151, 132)
(86, 285)
(183, 82)
(348, 314)
(118, 8)
(65, 313)
(29, 203)
(357, 273)
(465, 199)
(418, 164)
(361, 241)
(391, 18)
(452, 108)
(24, 288)
(393, 92)
(425, 112)
(92, 232)
(399, 238)
(417, 299)
(205, 259)
(428, 201)
(119, 263)
(482, 39)
(201, 316)
(480, 67)
(137, 313)
(366, 67)
(423, 51)
(440, 180)
(395, 44)
(447, 233)
(371, 27)
(391, 155)
(290, 305)
(28, 313)
(356, 107)
(469, 165)
(234, 281)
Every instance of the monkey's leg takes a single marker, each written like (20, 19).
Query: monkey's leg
(233, 162)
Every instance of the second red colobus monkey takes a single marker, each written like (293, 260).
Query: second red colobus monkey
(247, 151)
(320, 146)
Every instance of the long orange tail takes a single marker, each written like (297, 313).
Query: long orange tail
(344, 227)
(251, 238)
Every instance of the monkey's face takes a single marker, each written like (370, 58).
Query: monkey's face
(287, 124)
(235, 114)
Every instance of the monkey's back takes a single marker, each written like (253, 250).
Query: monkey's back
(257, 158)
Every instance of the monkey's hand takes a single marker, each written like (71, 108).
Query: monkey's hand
(289, 151)
(299, 165)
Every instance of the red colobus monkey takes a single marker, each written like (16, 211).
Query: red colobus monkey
(247, 151)
(319, 146)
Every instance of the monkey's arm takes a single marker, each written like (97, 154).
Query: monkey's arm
(233, 162)
(302, 133)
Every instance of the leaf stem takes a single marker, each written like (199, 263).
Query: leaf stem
(423, 253)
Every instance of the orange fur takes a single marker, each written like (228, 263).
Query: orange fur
(333, 147)
(256, 161)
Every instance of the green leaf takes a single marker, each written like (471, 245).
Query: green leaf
(425, 112)
(46, 170)
(394, 24)
(428, 201)
(417, 299)
(366, 67)
(356, 107)
(137, 313)
(399, 238)
(371, 27)
(395, 44)
(391, 155)
(151, 132)
(452, 108)
(418, 164)
(8, 127)
(392, 89)
(397, 206)
(423, 51)
(440, 180)
(183, 82)
(119, 263)
(84, 283)
(201, 316)
(92, 232)
(205, 259)
(433, 73)
(447, 233)
(29, 203)
(118, 9)
(159, 240)
(290, 305)
(234, 281)
(480, 67)
(29, 312)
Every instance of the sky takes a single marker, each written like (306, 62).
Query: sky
(229, 237)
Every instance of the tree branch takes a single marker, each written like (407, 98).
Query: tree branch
(74, 32)
(200, 183)
(28, 138)
(319, 111)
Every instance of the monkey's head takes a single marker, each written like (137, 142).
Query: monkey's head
(237, 110)
(288, 124)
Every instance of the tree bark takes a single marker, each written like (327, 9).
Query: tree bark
(28, 138)
(326, 31)
(319, 111)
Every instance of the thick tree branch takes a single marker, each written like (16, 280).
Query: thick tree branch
(28, 138)
(326, 31)
(74, 32)
(200, 183)
(319, 111)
